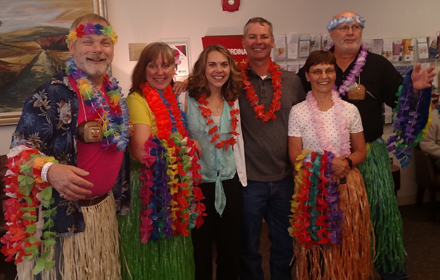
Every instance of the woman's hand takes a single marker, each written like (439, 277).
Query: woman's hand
(198, 147)
(335, 178)
(341, 167)
(179, 87)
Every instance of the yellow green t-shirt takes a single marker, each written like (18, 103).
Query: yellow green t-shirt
(140, 112)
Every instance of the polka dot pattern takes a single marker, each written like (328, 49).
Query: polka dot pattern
(301, 125)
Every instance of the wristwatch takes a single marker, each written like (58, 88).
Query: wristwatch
(350, 163)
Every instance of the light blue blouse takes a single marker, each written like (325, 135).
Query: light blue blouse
(217, 164)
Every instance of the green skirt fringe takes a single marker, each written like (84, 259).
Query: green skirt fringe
(385, 215)
(166, 259)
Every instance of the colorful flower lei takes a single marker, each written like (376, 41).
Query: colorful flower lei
(89, 29)
(112, 117)
(206, 113)
(354, 72)
(338, 21)
(170, 195)
(253, 98)
(316, 217)
(411, 120)
(344, 133)
(29, 194)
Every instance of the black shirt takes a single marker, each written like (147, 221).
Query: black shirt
(381, 81)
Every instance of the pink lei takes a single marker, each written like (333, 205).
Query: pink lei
(343, 132)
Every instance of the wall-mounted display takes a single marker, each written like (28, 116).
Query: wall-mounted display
(181, 53)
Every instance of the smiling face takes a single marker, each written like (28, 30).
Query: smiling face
(258, 41)
(217, 70)
(347, 39)
(322, 78)
(93, 54)
(160, 73)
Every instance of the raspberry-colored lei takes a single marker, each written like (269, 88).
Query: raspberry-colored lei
(206, 113)
(253, 98)
(169, 194)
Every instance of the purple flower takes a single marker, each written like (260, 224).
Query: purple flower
(89, 29)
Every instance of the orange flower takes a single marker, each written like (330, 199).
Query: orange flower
(253, 98)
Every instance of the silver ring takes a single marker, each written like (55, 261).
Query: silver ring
(62, 195)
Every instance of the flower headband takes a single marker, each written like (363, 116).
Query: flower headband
(338, 21)
(91, 28)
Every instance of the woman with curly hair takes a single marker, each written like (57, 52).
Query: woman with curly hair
(213, 120)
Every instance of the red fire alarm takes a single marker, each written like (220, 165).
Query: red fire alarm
(230, 5)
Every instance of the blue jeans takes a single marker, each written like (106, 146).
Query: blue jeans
(271, 201)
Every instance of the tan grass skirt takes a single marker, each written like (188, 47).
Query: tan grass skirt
(89, 255)
(353, 258)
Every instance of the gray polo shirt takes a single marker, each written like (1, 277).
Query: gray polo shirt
(265, 144)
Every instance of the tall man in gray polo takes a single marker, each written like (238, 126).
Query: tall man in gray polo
(269, 171)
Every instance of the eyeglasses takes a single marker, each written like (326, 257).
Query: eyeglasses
(319, 72)
(345, 28)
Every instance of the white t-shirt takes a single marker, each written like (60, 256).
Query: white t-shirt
(301, 125)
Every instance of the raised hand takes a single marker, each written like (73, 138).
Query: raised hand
(422, 78)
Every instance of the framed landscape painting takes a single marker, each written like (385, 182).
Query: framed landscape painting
(33, 46)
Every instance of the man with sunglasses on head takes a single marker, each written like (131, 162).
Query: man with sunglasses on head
(368, 80)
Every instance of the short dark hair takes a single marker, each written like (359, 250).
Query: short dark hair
(318, 57)
(259, 20)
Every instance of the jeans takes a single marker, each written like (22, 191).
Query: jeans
(271, 201)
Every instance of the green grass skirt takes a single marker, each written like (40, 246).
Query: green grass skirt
(166, 259)
(385, 215)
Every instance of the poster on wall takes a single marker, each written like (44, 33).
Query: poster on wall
(33, 47)
(181, 55)
(231, 42)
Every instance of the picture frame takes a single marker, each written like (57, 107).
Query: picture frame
(34, 51)
(182, 46)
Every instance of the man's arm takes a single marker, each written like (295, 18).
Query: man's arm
(36, 129)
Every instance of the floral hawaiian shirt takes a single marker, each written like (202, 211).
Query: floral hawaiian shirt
(49, 123)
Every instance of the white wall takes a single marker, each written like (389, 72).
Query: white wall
(145, 21)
